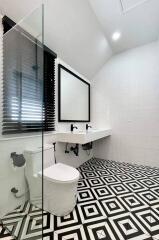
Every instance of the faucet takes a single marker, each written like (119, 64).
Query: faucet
(88, 126)
(72, 127)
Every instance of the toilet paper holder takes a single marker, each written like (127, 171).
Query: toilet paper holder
(18, 159)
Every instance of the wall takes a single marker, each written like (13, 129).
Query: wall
(86, 41)
(126, 97)
(70, 159)
(71, 29)
(10, 177)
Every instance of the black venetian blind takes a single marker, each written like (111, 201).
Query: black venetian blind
(49, 89)
(28, 101)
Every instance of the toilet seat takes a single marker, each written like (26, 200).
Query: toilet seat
(60, 173)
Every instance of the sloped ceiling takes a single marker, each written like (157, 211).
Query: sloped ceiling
(71, 30)
(80, 31)
(137, 20)
(127, 5)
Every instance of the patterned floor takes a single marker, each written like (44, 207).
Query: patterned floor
(116, 201)
(4, 234)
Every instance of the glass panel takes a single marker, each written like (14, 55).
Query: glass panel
(21, 116)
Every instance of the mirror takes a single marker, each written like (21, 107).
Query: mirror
(74, 97)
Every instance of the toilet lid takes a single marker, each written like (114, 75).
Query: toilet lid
(60, 173)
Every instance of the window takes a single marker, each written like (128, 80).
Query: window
(28, 101)
(49, 89)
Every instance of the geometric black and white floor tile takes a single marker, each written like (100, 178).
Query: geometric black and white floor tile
(116, 201)
(4, 233)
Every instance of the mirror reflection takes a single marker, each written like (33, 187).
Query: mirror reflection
(74, 97)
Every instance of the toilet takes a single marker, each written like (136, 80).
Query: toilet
(59, 181)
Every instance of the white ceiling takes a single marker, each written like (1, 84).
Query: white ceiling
(80, 31)
(71, 30)
(138, 23)
(130, 4)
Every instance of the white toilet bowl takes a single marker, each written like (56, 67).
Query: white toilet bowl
(60, 189)
(59, 182)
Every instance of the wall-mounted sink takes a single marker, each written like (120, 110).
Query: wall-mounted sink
(82, 137)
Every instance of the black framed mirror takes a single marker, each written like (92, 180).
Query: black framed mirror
(73, 97)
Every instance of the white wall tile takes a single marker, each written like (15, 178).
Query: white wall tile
(127, 89)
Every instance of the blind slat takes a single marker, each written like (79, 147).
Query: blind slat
(28, 103)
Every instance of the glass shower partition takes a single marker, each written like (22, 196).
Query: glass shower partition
(21, 137)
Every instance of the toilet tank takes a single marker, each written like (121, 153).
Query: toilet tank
(34, 159)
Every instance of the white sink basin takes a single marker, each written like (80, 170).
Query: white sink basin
(82, 137)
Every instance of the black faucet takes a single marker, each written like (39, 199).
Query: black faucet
(72, 127)
(88, 126)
